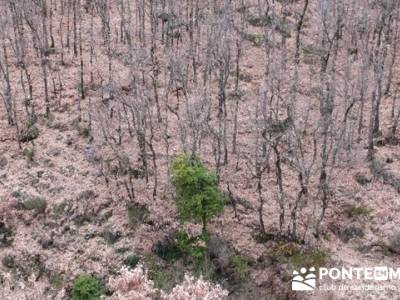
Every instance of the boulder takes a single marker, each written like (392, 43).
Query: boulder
(219, 253)
(394, 242)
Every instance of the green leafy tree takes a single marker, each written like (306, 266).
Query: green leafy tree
(198, 197)
(86, 287)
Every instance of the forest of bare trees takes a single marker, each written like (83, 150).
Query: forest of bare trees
(281, 99)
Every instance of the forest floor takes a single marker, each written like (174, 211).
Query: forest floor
(79, 222)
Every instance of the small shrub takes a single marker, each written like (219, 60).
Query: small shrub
(362, 179)
(168, 250)
(37, 204)
(181, 245)
(137, 213)
(245, 77)
(110, 236)
(257, 39)
(131, 260)
(56, 281)
(137, 173)
(317, 259)
(61, 208)
(350, 232)
(122, 250)
(30, 134)
(288, 249)
(240, 268)
(262, 238)
(184, 243)
(165, 277)
(292, 253)
(86, 287)
(259, 21)
(49, 51)
(83, 129)
(29, 153)
(6, 235)
(356, 211)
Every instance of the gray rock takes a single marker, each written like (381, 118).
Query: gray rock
(8, 261)
(219, 252)
(394, 242)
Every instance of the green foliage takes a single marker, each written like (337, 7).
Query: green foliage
(137, 213)
(86, 287)
(83, 129)
(292, 253)
(168, 251)
(165, 277)
(283, 251)
(29, 153)
(131, 260)
(357, 211)
(256, 38)
(189, 250)
(264, 237)
(193, 249)
(198, 197)
(317, 259)
(240, 267)
(174, 248)
(30, 134)
(182, 253)
(37, 204)
(62, 208)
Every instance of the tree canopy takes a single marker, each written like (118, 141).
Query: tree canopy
(198, 197)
